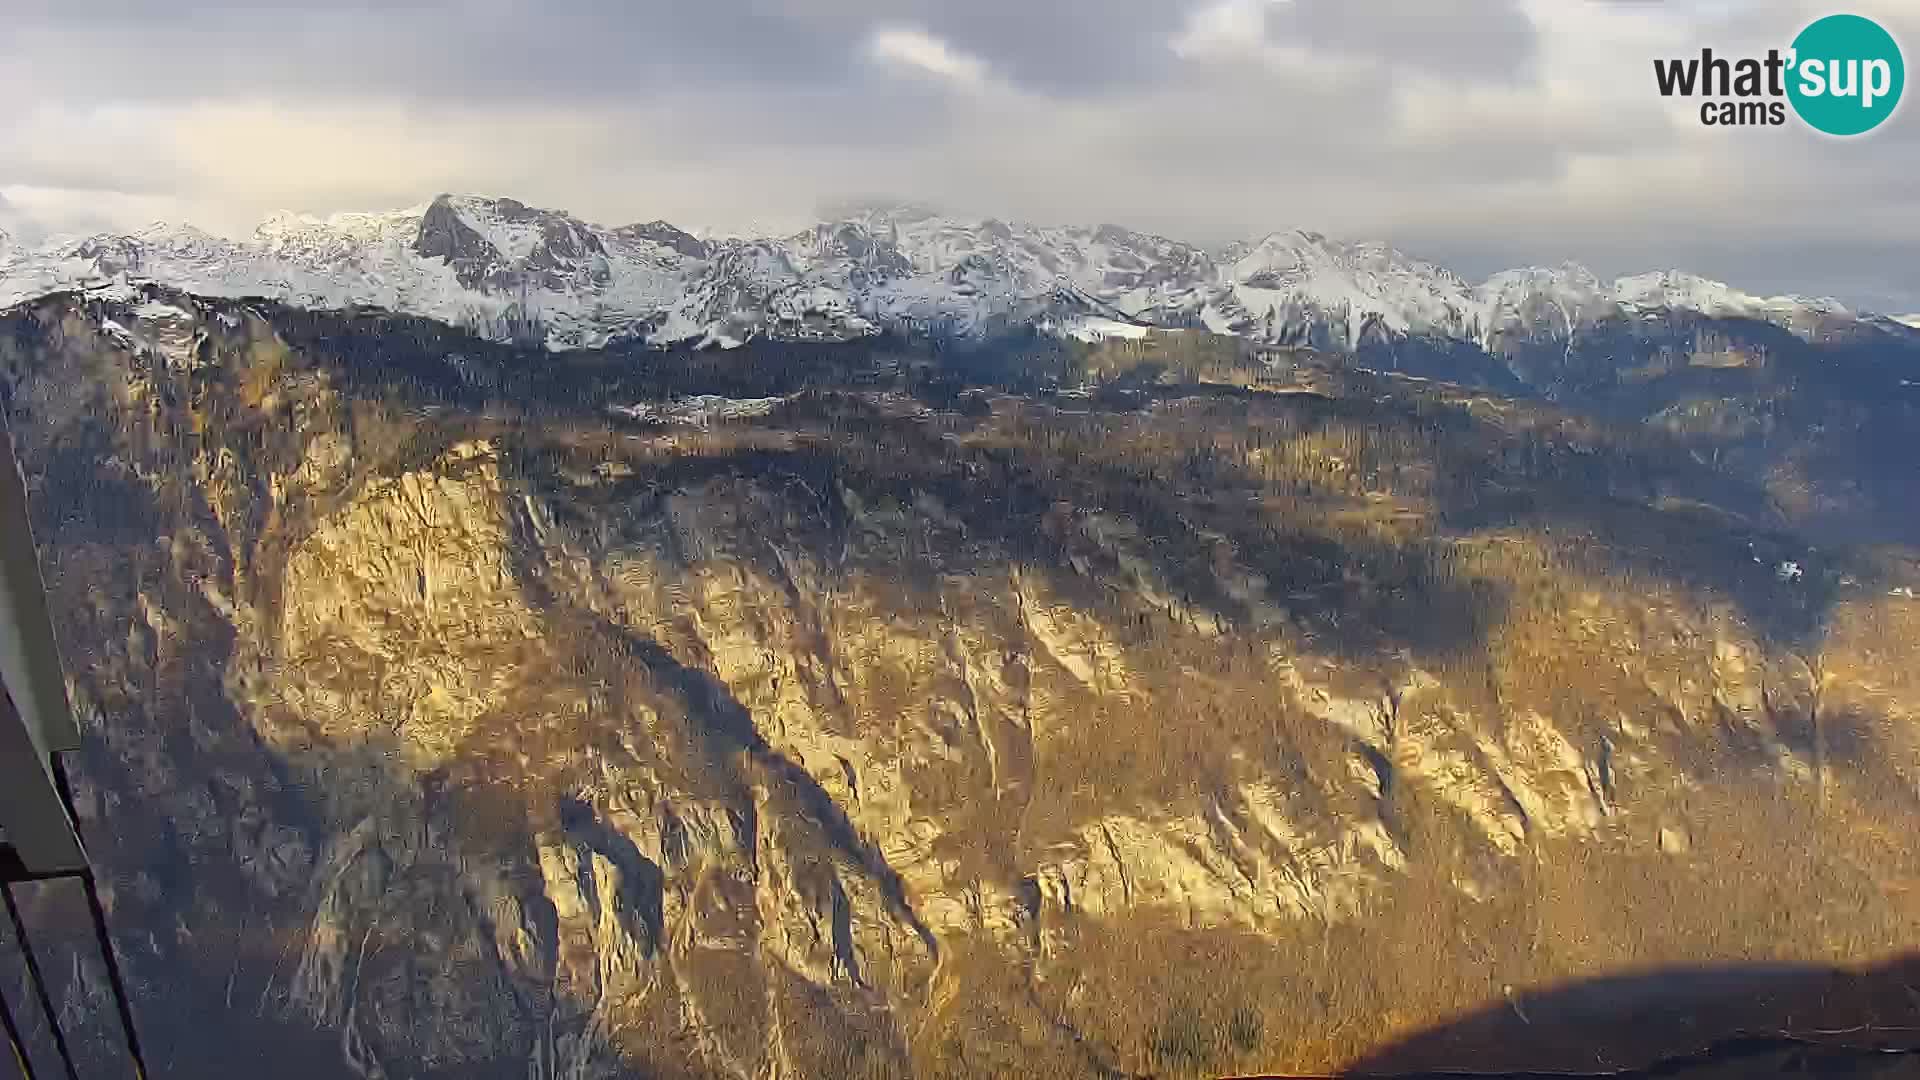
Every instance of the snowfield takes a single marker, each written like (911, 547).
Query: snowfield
(700, 410)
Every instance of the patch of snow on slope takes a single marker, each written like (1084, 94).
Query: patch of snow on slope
(513, 234)
(700, 409)
(1093, 328)
(158, 311)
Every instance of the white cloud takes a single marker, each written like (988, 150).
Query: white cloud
(915, 49)
(1230, 32)
(37, 212)
(1224, 28)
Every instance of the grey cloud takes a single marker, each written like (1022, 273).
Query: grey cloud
(1469, 39)
(1067, 46)
(523, 51)
(519, 52)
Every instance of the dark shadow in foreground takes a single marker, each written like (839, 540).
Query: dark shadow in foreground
(1713, 1022)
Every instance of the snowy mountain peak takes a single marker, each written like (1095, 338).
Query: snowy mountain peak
(500, 242)
(509, 270)
(1288, 281)
(286, 225)
(663, 234)
(1677, 290)
(1568, 275)
(1291, 240)
(879, 213)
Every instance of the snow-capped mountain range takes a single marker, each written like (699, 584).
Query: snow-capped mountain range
(512, 271)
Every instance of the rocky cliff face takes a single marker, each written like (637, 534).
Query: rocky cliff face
(442, 724)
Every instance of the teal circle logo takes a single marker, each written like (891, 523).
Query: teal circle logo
(1846, 75)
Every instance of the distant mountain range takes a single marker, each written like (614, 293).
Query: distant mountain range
(511, 271)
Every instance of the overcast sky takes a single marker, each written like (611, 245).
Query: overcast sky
(1480, 133)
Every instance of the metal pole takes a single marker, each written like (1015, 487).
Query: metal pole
(13, 1039)
(113, 975)
(39, 981)
(100, 931)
